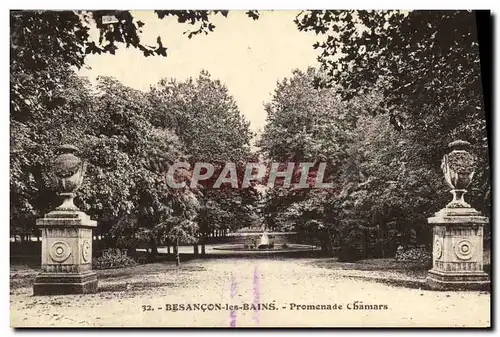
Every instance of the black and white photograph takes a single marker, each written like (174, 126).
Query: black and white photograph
(250, 168)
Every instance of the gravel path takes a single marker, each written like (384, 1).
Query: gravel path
(143, 299)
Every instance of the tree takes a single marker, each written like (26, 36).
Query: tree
(49, 104)
(304, 124)
(206, 119)
(125, 138)
(385, 191)
(125, 153)
(45, 45)
(382, 187)
(422, 56)
(129, 158)
(62, 116)
(425, 63)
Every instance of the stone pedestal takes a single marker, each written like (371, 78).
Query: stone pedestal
(458, 250)
(66, 254)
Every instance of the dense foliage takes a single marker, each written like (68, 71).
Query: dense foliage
(415, 255)
(388, 81)
(393, 89)
(382, 190)
(44, 45)
(206, 119)
(426, 65)
(112, 259)
(128, 138)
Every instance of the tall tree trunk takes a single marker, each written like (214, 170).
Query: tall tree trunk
(203, 252)
(132, 252)
(154, 250)
(325, 248)
(382, 240)
(327, 244)
(365, 242)
(177, 256)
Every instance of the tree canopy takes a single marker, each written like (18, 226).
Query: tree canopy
(392, 90)
(385, 186)
(425, 63)
(128, 137)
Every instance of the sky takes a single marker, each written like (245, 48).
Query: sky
(248, 56)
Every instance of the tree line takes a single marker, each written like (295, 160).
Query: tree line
(391, 90)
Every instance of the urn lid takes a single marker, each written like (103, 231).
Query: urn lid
(459, 145)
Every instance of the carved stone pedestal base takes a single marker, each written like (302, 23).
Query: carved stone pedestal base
(66, 254)
(458, 281)
(458, 250)
(65, 283)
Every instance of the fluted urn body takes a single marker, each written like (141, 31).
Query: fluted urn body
(69, 170)
(458, 167)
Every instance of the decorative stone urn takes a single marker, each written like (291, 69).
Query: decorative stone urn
(66, 235)
(458, 229)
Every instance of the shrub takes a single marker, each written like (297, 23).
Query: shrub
(113, 258)
(419, 255)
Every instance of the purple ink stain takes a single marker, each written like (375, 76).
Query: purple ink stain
(256, 294)
(232, 315)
